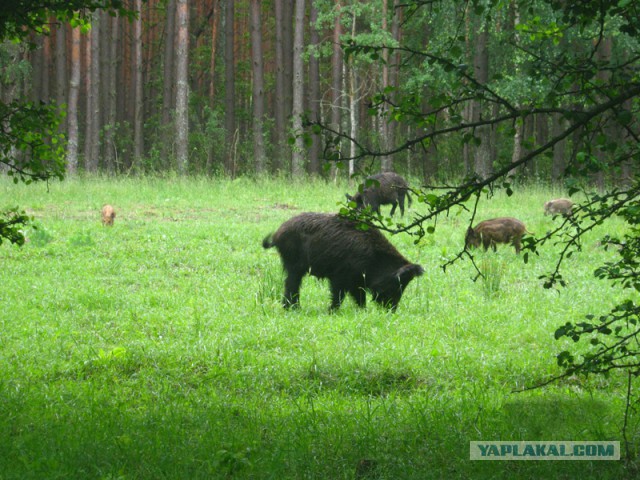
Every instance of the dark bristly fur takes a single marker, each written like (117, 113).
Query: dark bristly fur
(382, 189)
(494, 231)
(354, 261)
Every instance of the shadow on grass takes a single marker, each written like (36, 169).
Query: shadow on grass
(347, 424)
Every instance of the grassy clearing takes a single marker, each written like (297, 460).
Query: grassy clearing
(158, 348)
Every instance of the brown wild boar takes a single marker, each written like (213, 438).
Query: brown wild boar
(354, 260)
(494, 231)
(108, 215)
(382, 189)
(562, 206)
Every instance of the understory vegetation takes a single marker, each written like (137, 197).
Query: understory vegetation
(158, 348)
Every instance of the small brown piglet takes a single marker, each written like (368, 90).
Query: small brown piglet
(494, 231)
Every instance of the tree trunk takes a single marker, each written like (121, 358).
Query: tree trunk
(393, 79)
(168, 79)
(336, 80)
(92, 140)
(297, 158)
(138, 110)
(230, 94)
(280, 137)
(111, 104)
(287, 32)
(259, 155)
(61, 68)
(88, 101)
(386, 163)
(72, 109)
(214, 49)
(483, 162)
(182, 84)
(603, 57)
(516, 154)
(353, 113)
(314, 91)
(46, 62)
(559, 149)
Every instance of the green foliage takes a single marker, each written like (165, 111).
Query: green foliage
(613, 337)
(30, 146)
(12, 223)
(18, 20)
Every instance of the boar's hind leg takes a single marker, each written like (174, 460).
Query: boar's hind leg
(516, 243)
(292, 290)
(393, 208)
(401, 203)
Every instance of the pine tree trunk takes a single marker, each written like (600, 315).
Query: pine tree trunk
(483, 162)
(72, 109)
(61, 68)
(182, 84)
(386, 163)
(336, 79)
(138, 113)
(230, 94)
(88, 103)
(168, 79)
(558, 164)
(314, 91)
(259, 155)
(297, 157)
(93, 141)
(111, 95)
(280, 137)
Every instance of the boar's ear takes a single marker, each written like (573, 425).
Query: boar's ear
(408, 272)
(349, 197)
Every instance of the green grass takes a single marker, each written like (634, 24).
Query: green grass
(158, 349)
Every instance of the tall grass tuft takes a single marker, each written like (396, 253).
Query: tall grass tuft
(269, 289)
(492, 270)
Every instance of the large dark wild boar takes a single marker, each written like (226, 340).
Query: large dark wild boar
(382, 189)
(108, 215)
(494, 231)
(562, 206)
(354, 261)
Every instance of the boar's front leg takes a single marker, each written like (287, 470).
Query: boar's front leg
(337, 295)
(359, 295)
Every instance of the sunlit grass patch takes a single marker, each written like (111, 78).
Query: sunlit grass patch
(159, 348)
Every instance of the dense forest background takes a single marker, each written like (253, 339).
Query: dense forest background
(216, 86)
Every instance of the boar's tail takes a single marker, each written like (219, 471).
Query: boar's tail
(268, 241)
